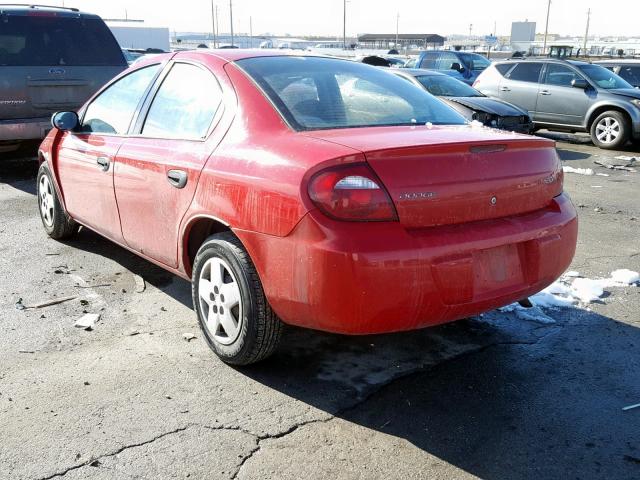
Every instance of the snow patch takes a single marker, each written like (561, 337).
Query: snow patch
(579, 171)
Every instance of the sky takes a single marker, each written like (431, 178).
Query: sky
(325, 17)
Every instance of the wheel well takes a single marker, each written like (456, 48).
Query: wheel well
(600, 110)
(195, 236)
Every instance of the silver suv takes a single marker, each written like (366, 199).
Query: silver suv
(568, 95)
(51, 59)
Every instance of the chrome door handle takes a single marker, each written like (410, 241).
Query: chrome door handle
(505, 89)
(104, 163)
(177, 178)
(545, 92)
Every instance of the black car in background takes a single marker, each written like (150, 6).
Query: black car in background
(472, 104)
(627, 69)
(51, 59)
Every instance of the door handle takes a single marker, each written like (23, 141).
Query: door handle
(177, 178)
(505, 89)
(545, 92)
(104, 163)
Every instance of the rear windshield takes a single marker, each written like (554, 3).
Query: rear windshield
(52, 40)
(323, 93)
(446, 86)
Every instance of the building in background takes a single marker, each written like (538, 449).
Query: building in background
(410, 41)
(523, 34)
(134, 34)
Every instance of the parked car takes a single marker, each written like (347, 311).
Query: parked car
(468, 65)
(627, 69)
(468, 101)
(568, 95)
(50, 59)
(311, 191)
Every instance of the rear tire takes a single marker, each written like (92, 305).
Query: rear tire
(240, 328)
(610, 130)
(55, 220)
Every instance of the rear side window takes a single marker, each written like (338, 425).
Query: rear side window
(526, 72)
(49, 40)
(429, 60)
(503, 68)
(185, 104)
(630, 74)
(111, 112)
(324, 93)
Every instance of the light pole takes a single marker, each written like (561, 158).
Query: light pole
(213, 24)
(586, 33)
(397, 28)
(250, 32)
(344, 24)
(470, 30)
(231, 19)
(546, 29)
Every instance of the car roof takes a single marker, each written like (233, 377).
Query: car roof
(31, 9)
(622, 61)
(420, 72)
(234, 54)
(544, 60)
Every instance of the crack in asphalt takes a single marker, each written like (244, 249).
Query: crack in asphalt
(120, 450)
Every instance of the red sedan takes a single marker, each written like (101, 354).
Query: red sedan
(309, 191)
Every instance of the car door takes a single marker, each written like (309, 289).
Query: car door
(85, 157)
(520, 86)
(558, 101)
(157, 170)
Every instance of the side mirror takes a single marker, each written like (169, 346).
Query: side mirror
(65, 120)
(457, 67)
(579, 83)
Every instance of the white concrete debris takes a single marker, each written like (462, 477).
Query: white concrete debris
(87, 321)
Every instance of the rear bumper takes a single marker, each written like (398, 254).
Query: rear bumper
(379, 277)
(24, 129)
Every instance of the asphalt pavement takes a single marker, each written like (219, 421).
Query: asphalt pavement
(141, 395)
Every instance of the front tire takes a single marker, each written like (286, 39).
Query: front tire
(232, 310)
(55, 220)
(610, 130)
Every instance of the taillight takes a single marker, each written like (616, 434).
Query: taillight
(351, 192)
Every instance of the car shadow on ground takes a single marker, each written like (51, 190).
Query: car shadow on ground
(500, 401)
(19, 173)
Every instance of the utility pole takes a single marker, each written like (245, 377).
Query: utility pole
(546, 29)
(218, 24)
(586, 33)
(231, 19)
(470, 29)
(344, 24)
(213, 25)
(250, 32)
(397, 28)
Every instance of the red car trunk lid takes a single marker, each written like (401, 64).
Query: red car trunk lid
(450, 175)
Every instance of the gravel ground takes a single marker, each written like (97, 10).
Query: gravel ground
(494, 397)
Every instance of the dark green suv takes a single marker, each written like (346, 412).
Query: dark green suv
(568, 95)
(51, 59)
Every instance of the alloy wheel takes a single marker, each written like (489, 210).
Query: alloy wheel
(45, 198)
(220, 301)
(608, 130)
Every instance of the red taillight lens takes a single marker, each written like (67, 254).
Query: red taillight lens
(353, 193)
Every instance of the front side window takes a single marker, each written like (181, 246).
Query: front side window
(560, 76)
(602, 77)
(185, 104)
(334, 93)
(111, 112)
(446, 61)
(526, 72)
(475, 62)
(446, 86)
